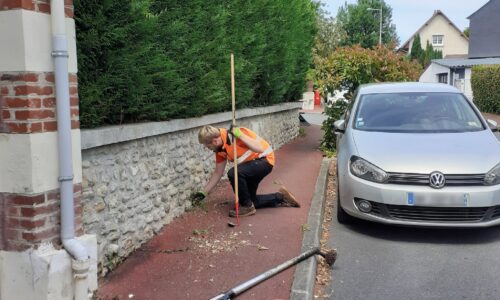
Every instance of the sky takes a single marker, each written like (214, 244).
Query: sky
(409, 15)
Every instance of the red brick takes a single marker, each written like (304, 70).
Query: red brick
(27, 212)
(24, 90)
(10, 4)
(12, 234)
(10, 77)
(12, 223)
(75, 112)
(50, 77)
(23, 102)
(26, 200)
(14, 212)
(43, 7)
(17, 246)
(34, 114)
(77, 188)
(49, 102)
(74, 101)
(69, 12)
(17, 127)
(29, 77)
(50, 126)
(73, 78)
(46, 90)
(5, 114)
(36, 127)
(73, 90)
(75, 124)
(53, 195)
(4, 90)
(32, 224)
(41, 235)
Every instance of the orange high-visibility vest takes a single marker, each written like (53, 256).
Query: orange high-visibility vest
(244, 153)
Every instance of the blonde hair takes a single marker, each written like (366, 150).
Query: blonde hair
(207, 134)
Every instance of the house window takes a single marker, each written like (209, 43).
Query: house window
(443, 78)
(437, 40)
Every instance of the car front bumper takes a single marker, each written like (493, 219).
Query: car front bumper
(416, 205)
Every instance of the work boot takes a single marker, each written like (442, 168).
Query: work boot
(244, 211)
(288, 198)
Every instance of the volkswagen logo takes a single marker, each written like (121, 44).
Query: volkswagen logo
(437, 180)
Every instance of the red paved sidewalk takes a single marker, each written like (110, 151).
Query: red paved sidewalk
(197, 256)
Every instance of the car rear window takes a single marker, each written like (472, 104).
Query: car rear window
(416, 112)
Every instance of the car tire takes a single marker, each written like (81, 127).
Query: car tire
(342, 216)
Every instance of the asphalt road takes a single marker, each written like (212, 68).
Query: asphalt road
(385, 262)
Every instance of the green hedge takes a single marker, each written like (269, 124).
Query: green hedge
(486, 88)
(150, 60)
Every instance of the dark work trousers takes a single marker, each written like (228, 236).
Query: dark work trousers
(249, 176)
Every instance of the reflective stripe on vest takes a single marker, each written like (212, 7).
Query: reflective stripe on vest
(249, 152)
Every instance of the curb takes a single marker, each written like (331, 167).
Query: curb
(305, 273)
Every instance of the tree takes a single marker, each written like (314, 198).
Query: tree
(467, 32)
(349, 67)
(416, 48)
(362, 25)
(329, 34)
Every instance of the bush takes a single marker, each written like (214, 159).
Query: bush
(485, 83)
(349, 67)
(152, 60)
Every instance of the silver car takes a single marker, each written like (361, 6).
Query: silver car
(417, 154)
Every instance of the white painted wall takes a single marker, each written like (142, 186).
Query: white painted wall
(308, 100)
(453, 42)
(27, 42)
(430, 74)
(45, 273)
(29, 162)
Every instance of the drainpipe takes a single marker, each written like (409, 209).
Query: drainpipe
(80, 257)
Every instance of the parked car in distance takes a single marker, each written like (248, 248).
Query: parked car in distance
(417, 154)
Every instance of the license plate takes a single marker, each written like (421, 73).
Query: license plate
(438, 199)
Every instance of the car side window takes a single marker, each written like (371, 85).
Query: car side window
(348, 111)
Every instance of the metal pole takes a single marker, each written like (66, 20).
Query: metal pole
(380, 33)
(258, 279)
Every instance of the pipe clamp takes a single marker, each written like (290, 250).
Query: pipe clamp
(65, 178)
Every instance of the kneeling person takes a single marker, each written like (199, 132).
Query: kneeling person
(255, 161)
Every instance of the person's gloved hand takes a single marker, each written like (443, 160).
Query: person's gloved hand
(236, 132)
(200, 195)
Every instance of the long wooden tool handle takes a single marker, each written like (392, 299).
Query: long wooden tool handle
(233, 99)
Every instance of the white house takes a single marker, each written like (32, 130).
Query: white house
(442, 34)
(483, 50)
(455, 71)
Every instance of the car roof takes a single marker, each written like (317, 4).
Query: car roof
(406, 87)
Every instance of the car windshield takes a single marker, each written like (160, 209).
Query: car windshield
(416, 112)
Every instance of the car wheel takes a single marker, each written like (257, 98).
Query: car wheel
(342, 216)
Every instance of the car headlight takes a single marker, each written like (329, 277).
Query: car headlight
(365, 170)
(493, 176)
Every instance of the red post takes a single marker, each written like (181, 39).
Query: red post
(317, 99)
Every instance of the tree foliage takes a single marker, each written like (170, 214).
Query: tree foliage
(424, 57)
(151, 60)
(362, 26)
(349, 67)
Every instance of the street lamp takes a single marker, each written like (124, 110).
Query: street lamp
(380, 32)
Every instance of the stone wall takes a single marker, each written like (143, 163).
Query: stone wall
(137, 178)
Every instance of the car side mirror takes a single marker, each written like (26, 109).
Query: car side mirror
(493, 125)
(339, 126)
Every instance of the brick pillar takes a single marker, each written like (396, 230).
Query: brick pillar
(29, 187)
